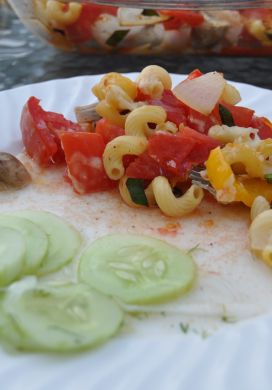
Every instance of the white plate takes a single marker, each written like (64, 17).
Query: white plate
(153, 353)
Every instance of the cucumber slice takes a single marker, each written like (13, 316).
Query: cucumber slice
(136, 269)
(57, 318)
(63, 240)
(12, 253)
(35, 240)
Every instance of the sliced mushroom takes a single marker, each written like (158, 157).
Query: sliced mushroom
(87, 113)
(13, 174)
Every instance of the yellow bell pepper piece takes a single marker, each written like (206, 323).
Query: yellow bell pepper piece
(221, 176)
(250, 188)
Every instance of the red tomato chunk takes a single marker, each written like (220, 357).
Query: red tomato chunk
(172, 155)
(83, 154)
(40, 133)
(108, 130)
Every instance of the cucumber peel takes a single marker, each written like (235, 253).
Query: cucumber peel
(35, 239)
(63, 240)
(12, 254)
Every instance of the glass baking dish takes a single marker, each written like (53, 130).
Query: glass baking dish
(90, 28)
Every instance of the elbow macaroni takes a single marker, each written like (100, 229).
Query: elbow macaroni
(138, 120)
(226, 134)
(117, 149)
(153, 80)
(169, 204)
(260, 236)
(128, 86)
(259, 205)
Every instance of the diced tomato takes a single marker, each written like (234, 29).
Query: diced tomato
(194, 74)
(177, 153)
(144, 167)
(200, 122)
(170, 151)
(40, 133)
(81, 30)
(263, 125)
(175, 109)
(202, 147)
(179, 18)
(141, 97)
(242, 116)
(83, 154)
(108, 130)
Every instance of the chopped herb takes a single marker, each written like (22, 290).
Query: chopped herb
(136, 191)
(140, 315)
(150, 12)
(226, 116)
(193, 249)
(268, 178)
(184, 327)
(163, 314)
(205, 334)
(228, 319)
(116, 37)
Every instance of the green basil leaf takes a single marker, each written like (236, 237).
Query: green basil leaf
(116, 37)
(268, 178)
(150, 12)
(226, 116)
(136, 191)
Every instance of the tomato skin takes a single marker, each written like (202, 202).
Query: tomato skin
(40, 144)
(83, 154)
(172, 155)
(242, 116)
(170, 151)
(263, 125)
(81, 30)
(144, 167)
(108, 130)
(179, 18)
(194, 74)
(175, 109)
(40, 133)
(202, 147)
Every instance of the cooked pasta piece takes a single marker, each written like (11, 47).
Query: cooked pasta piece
(137, 122)
(117, 149)
(259, 205)
(124, 192)
(260, 235)
(128, 86)
(110, 113)
(169, 127)
(244, 157)
(172, 206)
(55, 14)
(153, 80)
(227, 134)
(116, 97)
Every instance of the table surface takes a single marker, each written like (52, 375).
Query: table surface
(24, 59)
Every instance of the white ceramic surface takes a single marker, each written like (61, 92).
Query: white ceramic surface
(153, 353)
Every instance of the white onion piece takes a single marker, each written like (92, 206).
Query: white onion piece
(201, 93)
(130, 17)
(230, 94)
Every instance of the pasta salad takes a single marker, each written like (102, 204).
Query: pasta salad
(161, 146)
